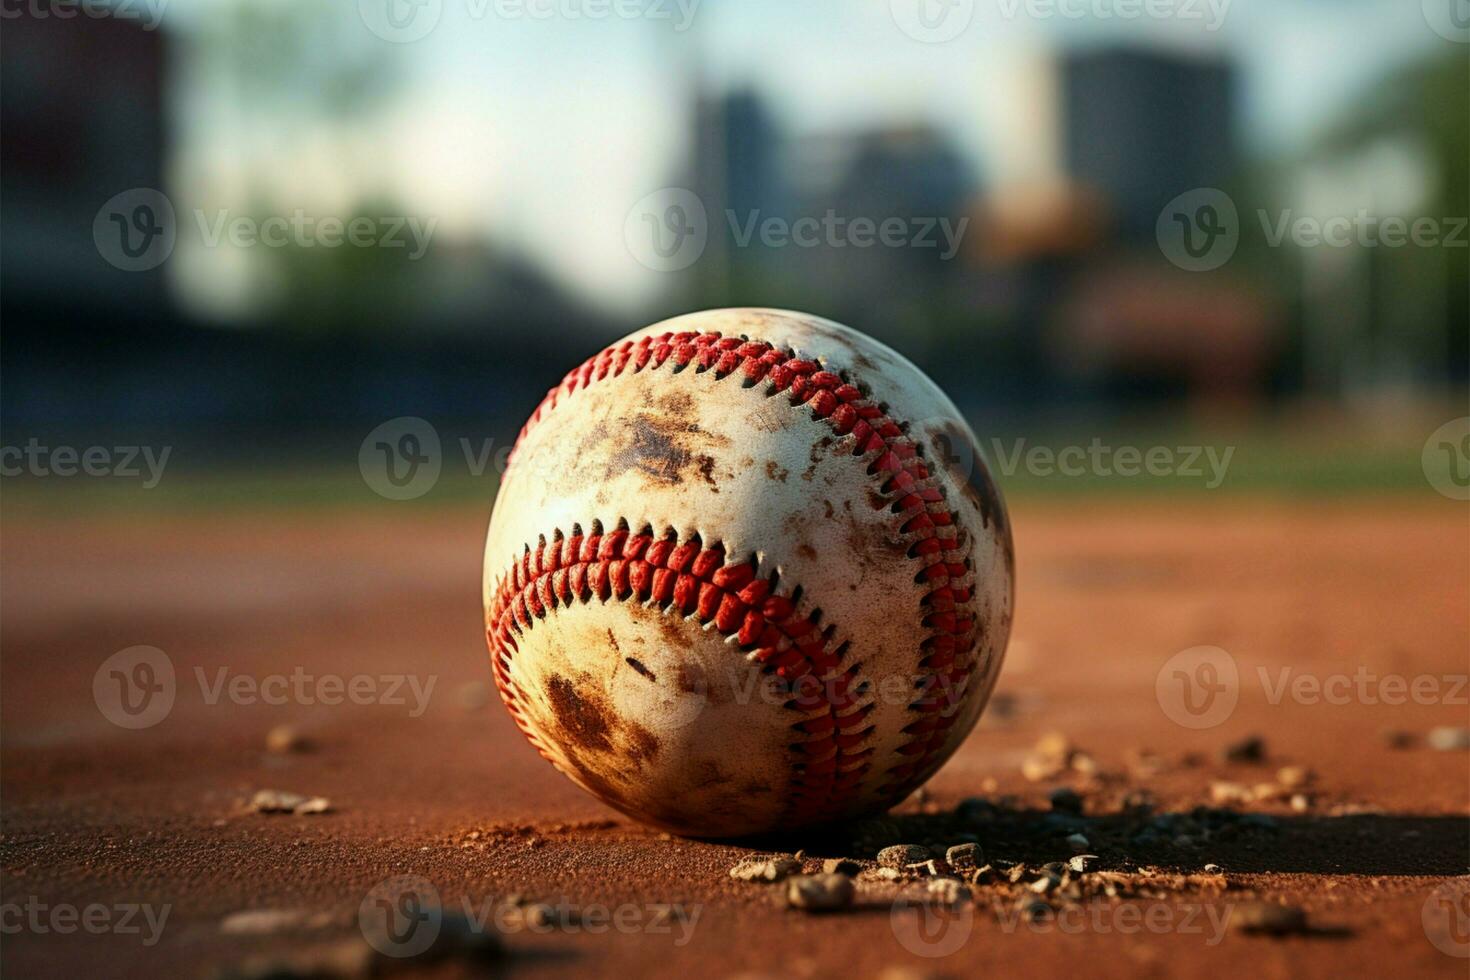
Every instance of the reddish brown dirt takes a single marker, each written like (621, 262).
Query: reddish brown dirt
(93, 813)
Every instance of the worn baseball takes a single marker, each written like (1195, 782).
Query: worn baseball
(747, 571)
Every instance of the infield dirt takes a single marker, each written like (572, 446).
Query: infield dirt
(1330, 613)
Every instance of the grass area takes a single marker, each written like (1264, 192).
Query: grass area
(1258, 462)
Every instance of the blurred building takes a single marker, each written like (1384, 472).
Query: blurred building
(734, 169)
(913, 172)
(1068, 261)
(82, 101)
(1142, 126)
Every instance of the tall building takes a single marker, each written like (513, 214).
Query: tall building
(1141, 127)
(734, 170)
(74, 137)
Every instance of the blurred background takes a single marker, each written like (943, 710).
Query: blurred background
(1223, 222)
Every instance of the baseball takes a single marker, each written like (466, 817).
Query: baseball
(747, 571)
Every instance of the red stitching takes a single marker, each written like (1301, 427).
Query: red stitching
(940, 545)
(697, 581)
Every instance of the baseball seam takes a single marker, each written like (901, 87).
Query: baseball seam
(696, 581)
(938, 543)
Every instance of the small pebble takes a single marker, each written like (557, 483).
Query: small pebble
(1222, 791)
(1037, 769)
(1398, 739)
(1078, 843)
(473, 695)
(1250, 749)
(285, 739)
(768, 870)
(1449, 738)
(841, 866)
(264, 922)
(1066, 800)
(902, 855)
(974, 809)
(1044, 884)
(1053, 744)
(1269, 918)
(962, 857)
(1293, 776)
(280, 801)
(1077, 863)
(820, 893)
(948, 892)
(909, 973)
